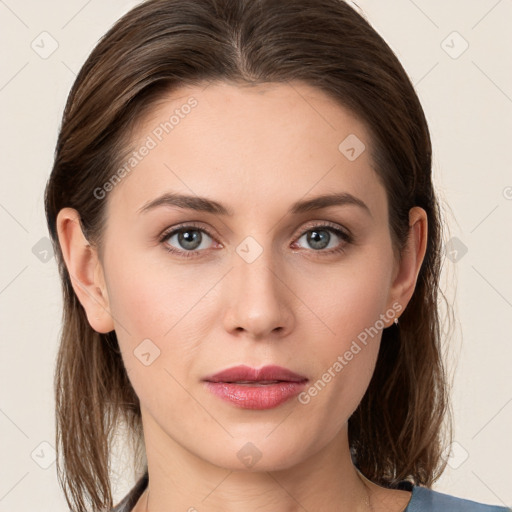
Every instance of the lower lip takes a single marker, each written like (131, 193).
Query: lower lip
(264, 396)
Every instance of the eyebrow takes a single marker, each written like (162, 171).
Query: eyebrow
(204, 204)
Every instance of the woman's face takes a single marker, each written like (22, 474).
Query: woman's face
(262, 282)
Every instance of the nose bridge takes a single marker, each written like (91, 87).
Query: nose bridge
(255, 266)
(258, 303)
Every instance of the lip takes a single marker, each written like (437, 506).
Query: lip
(246, 373)
(252, 388)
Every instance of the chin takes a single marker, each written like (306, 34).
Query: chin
(259, 453)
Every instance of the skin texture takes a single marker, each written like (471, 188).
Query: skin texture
(256, 150)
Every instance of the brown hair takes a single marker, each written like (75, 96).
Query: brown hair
(396, 432)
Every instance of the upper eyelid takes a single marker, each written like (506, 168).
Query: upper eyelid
(175, 229)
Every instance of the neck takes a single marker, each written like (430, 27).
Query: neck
(179, 480)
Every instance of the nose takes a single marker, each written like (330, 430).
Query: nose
(259, 300)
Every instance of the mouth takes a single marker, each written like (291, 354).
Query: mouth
(250, 388)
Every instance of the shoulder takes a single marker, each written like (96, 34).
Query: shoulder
(428, 500)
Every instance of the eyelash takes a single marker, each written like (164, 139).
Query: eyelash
(327, 226)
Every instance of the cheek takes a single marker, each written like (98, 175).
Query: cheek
(349, 305)
(151, 309)
(354, 328)
(142, 307)
(348, 298)
(149, 297)
(152, 300)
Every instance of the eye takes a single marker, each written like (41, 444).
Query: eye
(190, 239)
(320, 237)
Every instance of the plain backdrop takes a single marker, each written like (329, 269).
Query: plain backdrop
(457, 53)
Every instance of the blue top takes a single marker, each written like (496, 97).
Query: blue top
(422, 500)
(427, 500)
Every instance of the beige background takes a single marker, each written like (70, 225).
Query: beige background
(467, 96)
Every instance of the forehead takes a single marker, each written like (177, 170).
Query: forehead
(247, 144)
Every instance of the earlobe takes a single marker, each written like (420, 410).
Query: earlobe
(85, 270)
(413, 254)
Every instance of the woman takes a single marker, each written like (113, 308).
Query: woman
(242, 208)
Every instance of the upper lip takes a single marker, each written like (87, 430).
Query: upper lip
(246, 373)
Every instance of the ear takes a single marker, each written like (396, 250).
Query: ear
(407, 270)
(85, 270)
